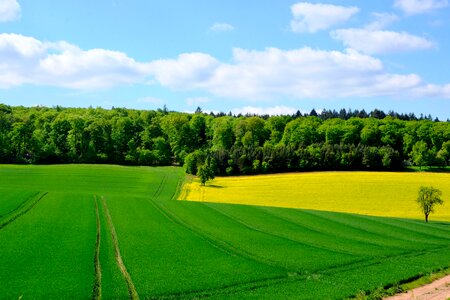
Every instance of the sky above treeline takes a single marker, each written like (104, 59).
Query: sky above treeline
(252, 56)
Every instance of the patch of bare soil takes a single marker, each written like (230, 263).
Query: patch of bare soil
(437, 290)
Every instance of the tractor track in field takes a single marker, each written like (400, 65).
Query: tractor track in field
(160, 188)
(216, 243)
(417, 232)
(420, 234)
(131, 288)
(213, 242)
(97, 289)
(224, 290)
(322, 232)
(379, 235)
(268, 282)
(18, 207)
(254, 228)
(22, 209)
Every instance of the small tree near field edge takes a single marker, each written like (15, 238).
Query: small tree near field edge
(205, 173)
(429, 197)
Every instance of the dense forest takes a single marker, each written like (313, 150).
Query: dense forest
(225, 144)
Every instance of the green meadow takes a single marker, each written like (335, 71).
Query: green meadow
(114, 232)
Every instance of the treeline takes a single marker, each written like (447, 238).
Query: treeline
(224, 144)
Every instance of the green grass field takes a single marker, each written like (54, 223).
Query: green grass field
(84, 231)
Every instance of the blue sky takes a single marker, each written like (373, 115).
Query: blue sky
(257, 56)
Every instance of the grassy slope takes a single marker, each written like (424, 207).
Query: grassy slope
(164, 257)
(382, 251)
(187, 249)
(369, 193)
(69, 186)
(47, 252)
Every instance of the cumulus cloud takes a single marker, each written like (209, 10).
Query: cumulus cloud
(433, 90)
(301, 73)
(28, 60)
(310, 18)
(413, 7)
(380, 41)
(250, 75)
(221, 27)
(273, 111)
(189, 69)
(9, 10)
(381, 21)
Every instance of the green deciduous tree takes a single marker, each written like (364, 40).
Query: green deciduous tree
(420, 154)
(428, 198)
(205, 173)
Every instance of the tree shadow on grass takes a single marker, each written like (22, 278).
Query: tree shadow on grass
(215, 186)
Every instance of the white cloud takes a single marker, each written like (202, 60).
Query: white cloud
(311, 18)
(433, 90)
(298, 74)
(413, 7)
(381, 21)
(9, 10)
(221, 27)
(380, 41)
(273, 111)
(251, 75)
(190, 69)
(27, 60)
(197, 101)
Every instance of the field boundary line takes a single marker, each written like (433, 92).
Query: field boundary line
(18, 213)
(131, 288)
(97, 289)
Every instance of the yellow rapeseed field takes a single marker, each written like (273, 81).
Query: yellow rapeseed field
(371, 193)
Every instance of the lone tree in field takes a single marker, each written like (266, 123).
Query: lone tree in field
(428, 198)
(205, 173)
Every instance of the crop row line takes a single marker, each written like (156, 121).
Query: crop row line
(322, 232)
(217, 243)
(178, 189)
(263, 283)
(224, 246)
(380, 236)
(363, 261)
(160, 188)
(131, 288)
(97, 289)
(20, 206)
(385, 221)
(259, 230)
(22, 209)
